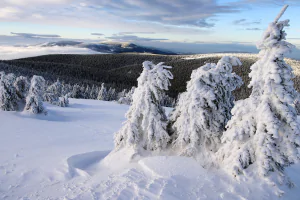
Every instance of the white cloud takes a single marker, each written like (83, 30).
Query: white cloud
(9, 12)
(12, 52)
(33, 35)
(177, 12)
(82, 4)
(32, 2)
(171, 19)
(38, 16)
(133, 38)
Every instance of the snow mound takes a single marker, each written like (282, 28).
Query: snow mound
(169, 166)
(177, 177)
(82, 164)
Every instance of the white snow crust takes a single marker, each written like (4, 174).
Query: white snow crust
(66, 155)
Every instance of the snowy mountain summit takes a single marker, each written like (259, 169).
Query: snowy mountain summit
(109, 47)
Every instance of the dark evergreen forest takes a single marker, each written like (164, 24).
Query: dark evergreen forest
(119, 71)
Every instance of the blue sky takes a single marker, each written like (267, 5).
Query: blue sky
(175, 24)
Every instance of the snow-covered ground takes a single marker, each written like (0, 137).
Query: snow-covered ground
(62, 156)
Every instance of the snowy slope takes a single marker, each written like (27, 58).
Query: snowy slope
(61, 156)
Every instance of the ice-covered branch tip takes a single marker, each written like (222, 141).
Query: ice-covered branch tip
(281, 13)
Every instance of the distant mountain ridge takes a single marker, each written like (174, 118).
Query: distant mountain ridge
(110, 47)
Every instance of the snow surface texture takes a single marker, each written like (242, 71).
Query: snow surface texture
(60, 156)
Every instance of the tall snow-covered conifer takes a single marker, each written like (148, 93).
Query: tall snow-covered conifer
(102, 95)
(264, 131)
(22, 87)
(8, 93)
(145, 128)
(34, 100)
(204, 109)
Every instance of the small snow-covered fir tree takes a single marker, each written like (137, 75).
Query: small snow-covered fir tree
(128, 97)
(111, 94)
(66, 89)
(145, 128)
(22, 87)
(264, 131)
(8, 93)
(87, 92)
(76, 92)
(82, 92)
(53, 93)
(102, 95)
(63, 101)
(121, 94)
(55, 88)
(50, 98)
(94, 92)
(34, 100)
(204, 109)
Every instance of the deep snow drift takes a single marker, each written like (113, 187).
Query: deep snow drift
(62, 156)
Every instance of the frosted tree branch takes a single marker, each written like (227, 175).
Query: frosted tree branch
(281, 13)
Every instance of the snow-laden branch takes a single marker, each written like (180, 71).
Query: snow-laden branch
(281, 13)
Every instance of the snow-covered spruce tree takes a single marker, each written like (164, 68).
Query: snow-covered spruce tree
(94, 92)
(121, 94)
(128, 97)
(204, 109)
(34, 100)
(102, 95)
(111, 94)
(114, 95)
(264, 131)
(63, 101)
(55, 88)
(145, 128)
(87, 92)
(50, 98)
(82, 92)
(53, 93)
(67, 89)
(22, 87)
(76, 92)
(8, 93)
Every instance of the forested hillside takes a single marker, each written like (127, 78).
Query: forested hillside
(121, 70)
